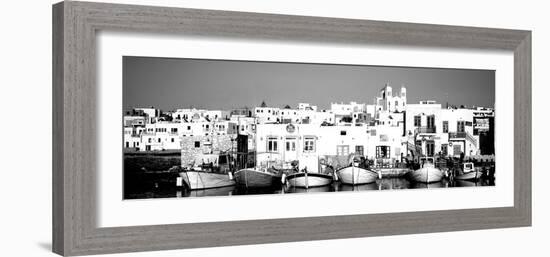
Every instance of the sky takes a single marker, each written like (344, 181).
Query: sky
(171, 83)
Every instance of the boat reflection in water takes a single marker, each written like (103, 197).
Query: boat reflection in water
(319, 189)
(393, 183)
(164, 191)
(220, 191)
(364, 187)
(439, 184)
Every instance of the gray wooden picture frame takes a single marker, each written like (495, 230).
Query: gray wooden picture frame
(75, 25)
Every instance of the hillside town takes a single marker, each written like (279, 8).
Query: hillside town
(387, 132)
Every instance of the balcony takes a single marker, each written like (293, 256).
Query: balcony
(424, 130)
(457, 135)
(462, 136)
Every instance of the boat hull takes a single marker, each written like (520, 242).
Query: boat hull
(473, 175)
(307, 180)
(253, 178)
(202, 180)
(427, 175)
(356, 176)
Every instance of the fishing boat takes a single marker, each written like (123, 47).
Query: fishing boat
(357, 174)
(198, 179)
(255, 178)
(305, 179)
(469, 172)
(427, 173)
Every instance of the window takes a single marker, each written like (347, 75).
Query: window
(127, 144)
(417, 121)
(197, 144)
(149, 140)
(174, 130)
(272, 144)
(460, 126)
(445, 126)
(188, 127)
(383, 152)
(309, 144)
(359, 149)
(291, 145)
(172, 140)
(342, 150)
(158, 139)
(342, 132)
(430, 121)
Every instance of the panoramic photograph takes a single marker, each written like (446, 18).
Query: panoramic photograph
(198, 128)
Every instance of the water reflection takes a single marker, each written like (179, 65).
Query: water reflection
(169, 191)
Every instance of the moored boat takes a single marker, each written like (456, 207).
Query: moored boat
(469, 172)
(203, 180)
(354, 175)
(308, 179)
(254, 178)
(427, 173)
(357, 173)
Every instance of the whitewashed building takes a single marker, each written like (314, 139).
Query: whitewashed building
(280, 144)
(267, 114)
(168, 135)
(151, 113)
(200, 114)
(448, 132)
(388, 101)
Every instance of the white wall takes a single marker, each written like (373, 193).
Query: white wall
(25, 219)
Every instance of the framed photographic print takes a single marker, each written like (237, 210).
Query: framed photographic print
(183, 128)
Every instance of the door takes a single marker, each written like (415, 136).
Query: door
(457, 149)
(460, 126)
(430, 147)
(291, 151)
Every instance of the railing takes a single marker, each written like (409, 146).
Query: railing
(463, 135)
(425, 129)
(453, 135)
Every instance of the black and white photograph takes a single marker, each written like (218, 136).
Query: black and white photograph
(197, 127)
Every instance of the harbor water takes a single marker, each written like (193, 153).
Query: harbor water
(163, 189)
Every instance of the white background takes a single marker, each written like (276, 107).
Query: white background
(25, 216)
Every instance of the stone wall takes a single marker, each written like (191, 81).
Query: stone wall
(198, 149)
